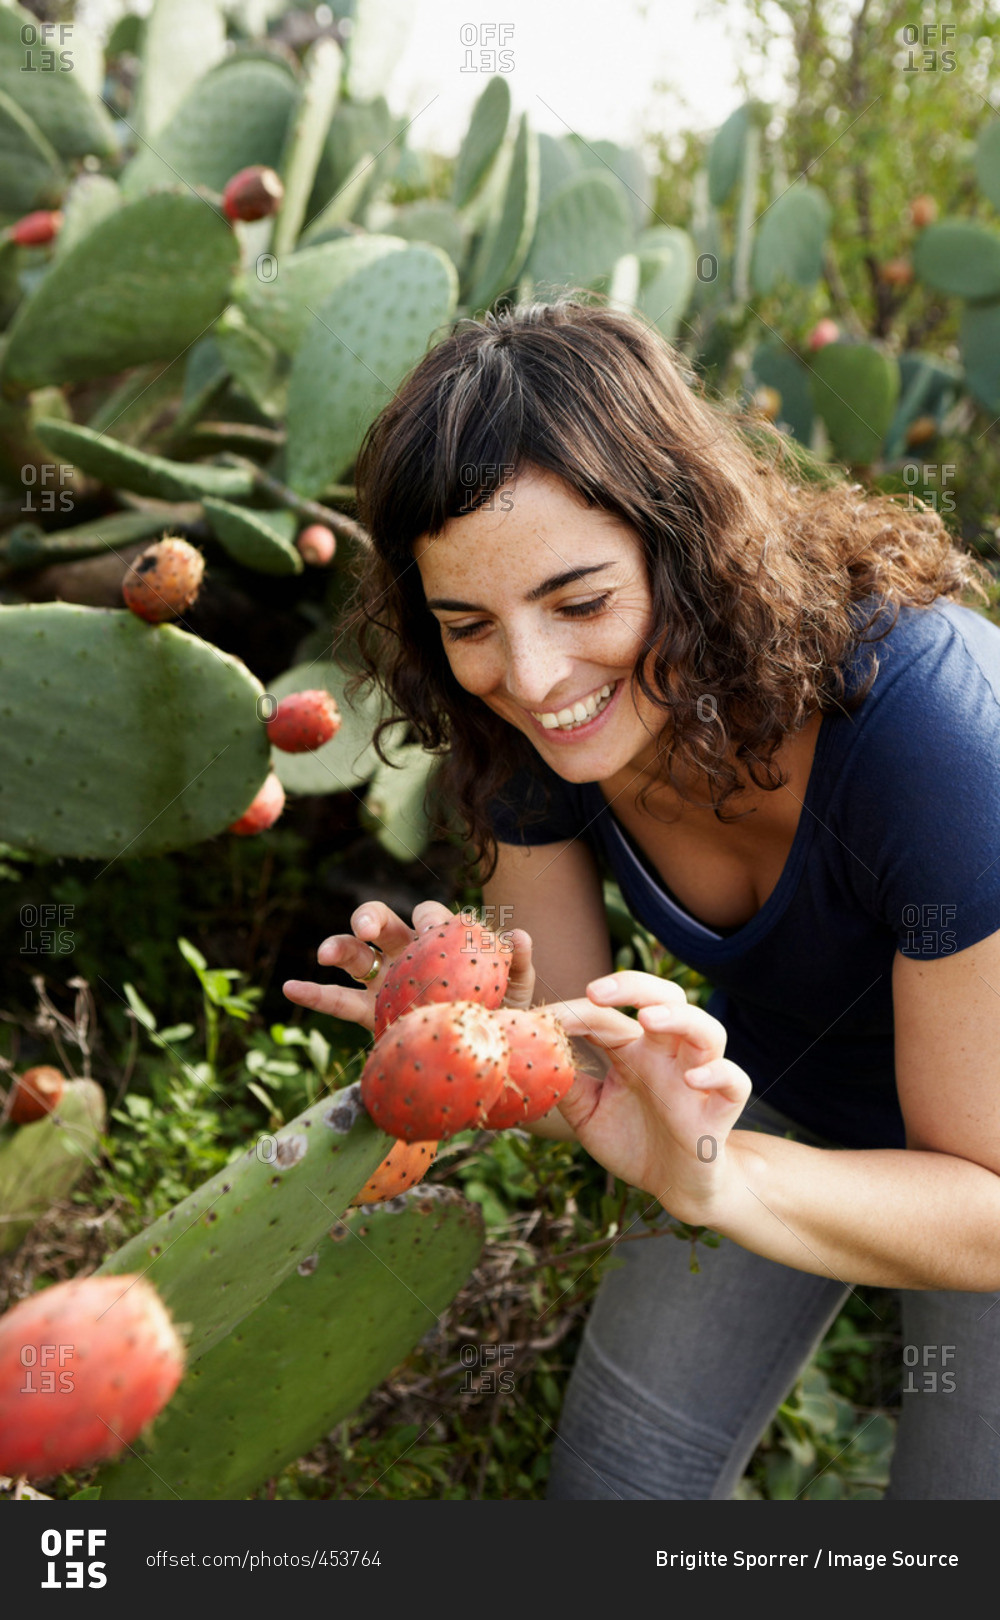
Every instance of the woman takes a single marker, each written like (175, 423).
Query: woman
(650, 662)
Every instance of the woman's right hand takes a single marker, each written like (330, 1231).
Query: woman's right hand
(374, 924)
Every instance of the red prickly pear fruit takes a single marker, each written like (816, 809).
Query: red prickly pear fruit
(896, 272)
(540, 1069)
(264, 811)
(303, 721)
(253, 193)
(317, 545)
(111, 1358)
(404, 1165)
(164, 581)
(34, 1094)
(437, 1070)
(453, 961)
(35, 230)
(824, 332)
(923, 211)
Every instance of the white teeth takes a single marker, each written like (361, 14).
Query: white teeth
(569, 719)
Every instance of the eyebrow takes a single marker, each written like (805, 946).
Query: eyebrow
(555, 583)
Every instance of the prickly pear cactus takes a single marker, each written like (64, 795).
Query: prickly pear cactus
(305, 1359)
(40, 1163)
(120, 738)
(218, 1254)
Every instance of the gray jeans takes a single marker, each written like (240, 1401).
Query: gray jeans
(679, 1373)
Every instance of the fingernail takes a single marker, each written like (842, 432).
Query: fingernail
(700, 1074)
(602, 987)
(365, 919)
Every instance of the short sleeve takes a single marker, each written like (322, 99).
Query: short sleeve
(926, 799)
(519, 814)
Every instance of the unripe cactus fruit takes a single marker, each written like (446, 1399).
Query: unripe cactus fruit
(164, 580)
(84, 1366)
(923, 211)
(37, 229)
(264, 811)
(317, 545)
(34, 1094)
(304, 721)
(404, 1165)
(253, 193)
(453, 961)
(824, 332)
(768, 402)
(896, 272)
(435, 1071)
(540, 1068)
(921, 430)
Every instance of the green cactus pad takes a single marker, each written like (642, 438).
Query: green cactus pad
(74, 121)
(855, 388)
(348, 758)
(142, 287)
(108, 533)
(357, 128)
(306, 1359)
(428, 220)
(979, 337)
(379, 34)
(258, 540)
(123, 467)
(220, 1252)
(181, 40)
(39, 1163)
(558, 161)
(395, 801)
(505, 248)
(958, 257)
(306, 139)
(667, 271)
(90, 199)
(585, 228)
(725, 157)
(353, 357)
(235, 116)
(790, 239)
(331, 221)
(253, 363)
(987, 161)
(627, 166)
(282, 310)
(118, 737)
(31, 175)
(928, 386)
(483, 139)
(774, 366)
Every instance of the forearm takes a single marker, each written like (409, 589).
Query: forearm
(886, 1217)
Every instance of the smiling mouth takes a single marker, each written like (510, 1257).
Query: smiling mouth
(576, 714)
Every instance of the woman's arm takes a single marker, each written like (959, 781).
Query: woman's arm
(927, 1216)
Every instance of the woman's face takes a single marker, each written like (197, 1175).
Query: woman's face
(537, 647)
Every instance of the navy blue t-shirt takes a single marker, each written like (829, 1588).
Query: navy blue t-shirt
(897, 848)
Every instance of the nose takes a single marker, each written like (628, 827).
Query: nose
(536, 667)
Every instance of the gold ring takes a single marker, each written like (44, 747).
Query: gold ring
(374, 970)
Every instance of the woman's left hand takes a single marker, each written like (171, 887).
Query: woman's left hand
(660, 1117)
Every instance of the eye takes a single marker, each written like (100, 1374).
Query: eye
(573, 610)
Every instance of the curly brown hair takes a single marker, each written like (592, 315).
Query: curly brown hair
(754, 553)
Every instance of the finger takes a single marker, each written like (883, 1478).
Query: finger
(373, 922)
(725, 1079)
(630, 988)
(687, 1022)
(353, 1006)
(429, 913)
(351, 955)
(604, 1026)
(580, 1100)
(521, 984)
